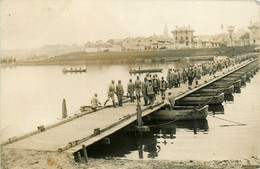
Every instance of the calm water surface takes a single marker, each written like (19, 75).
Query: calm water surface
(32, 95)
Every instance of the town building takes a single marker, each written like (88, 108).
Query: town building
(254, 33)
(183, 37)
(155, 42)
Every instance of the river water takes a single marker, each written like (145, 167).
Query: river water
(32, 96)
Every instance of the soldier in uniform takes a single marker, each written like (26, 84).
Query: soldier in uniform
(131, 90)
(138, 86)
(170, 101)
(155, 84)
(150, 94)
(119, 93)
(178, 78)
(174, 77)
(95, 102)
(169, 78)
(144, 91)
(110, 93)
(190, 76)
(163, 87)
(184, 75)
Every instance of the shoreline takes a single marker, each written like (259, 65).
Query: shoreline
(131, 57)
(17, 158)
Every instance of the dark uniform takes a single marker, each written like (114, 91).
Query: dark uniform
(130, 90)
(120, 93)
(163, 87)
(138, 86)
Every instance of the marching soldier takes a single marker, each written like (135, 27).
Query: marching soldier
(120, 93)
(169, 78)
(138, 86)
(110, 93)
(178, 78)
(150, 94)
(144, 91)
(131, 90)
(184, 75)
(163, 87)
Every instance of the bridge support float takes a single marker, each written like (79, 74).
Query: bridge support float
(140, 128)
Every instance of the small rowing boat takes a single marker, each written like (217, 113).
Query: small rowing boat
(73, 70)
(181, 113)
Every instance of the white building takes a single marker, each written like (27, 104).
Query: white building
(254, 33)
(183, 37)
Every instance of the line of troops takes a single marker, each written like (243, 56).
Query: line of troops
(153, 85)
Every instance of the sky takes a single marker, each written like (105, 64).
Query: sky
(27, 24)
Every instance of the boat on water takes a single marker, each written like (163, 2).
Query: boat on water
(216, 89)
(226, 82)
(238, 76)
(209, 99)
(181, 113)
(145, 70)
(64, 70)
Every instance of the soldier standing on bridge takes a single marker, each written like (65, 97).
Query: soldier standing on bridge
(110, 93)
(150, 94)
(184, 75)
(138, 86)
(169, 78)
(155, 84)
(144, 91)
(163, 87)
(119, 93)
(190, 76)
(178, 78)
(131, 90)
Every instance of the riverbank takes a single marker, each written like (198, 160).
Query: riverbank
(80, 58)
(15, 158)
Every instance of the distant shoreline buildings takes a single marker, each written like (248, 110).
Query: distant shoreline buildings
(181, 37)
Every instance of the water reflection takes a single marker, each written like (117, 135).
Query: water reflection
(126, 141)
(216, 109)
(237, 90)
(228, 98)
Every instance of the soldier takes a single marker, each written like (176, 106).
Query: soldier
(163, 87)
(169, 78)
(119, 93)
(144, 91)
(131, 90)
(170, 101)
(95, 102)
(190, 76)
(174, 77)
(110, 93)
(178, 78)
(150, 94)
(138, 86)
(184, 75)
(155, 84)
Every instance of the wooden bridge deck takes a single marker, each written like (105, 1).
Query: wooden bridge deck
(70, 134)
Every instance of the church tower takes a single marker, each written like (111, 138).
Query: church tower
(165, 34)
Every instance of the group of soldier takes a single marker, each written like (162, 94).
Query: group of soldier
(153, 85)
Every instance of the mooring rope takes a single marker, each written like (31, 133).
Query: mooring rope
(241, 124)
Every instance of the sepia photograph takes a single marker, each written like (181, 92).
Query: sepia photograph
(130, 84)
